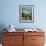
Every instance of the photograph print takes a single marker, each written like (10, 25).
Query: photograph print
(26, 13)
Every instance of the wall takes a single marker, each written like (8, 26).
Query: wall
(9, 13)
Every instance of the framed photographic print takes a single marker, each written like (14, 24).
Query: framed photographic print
(26, 13)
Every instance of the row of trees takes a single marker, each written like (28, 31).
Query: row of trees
(27, 16)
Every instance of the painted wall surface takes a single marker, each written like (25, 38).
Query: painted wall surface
(10, 13)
